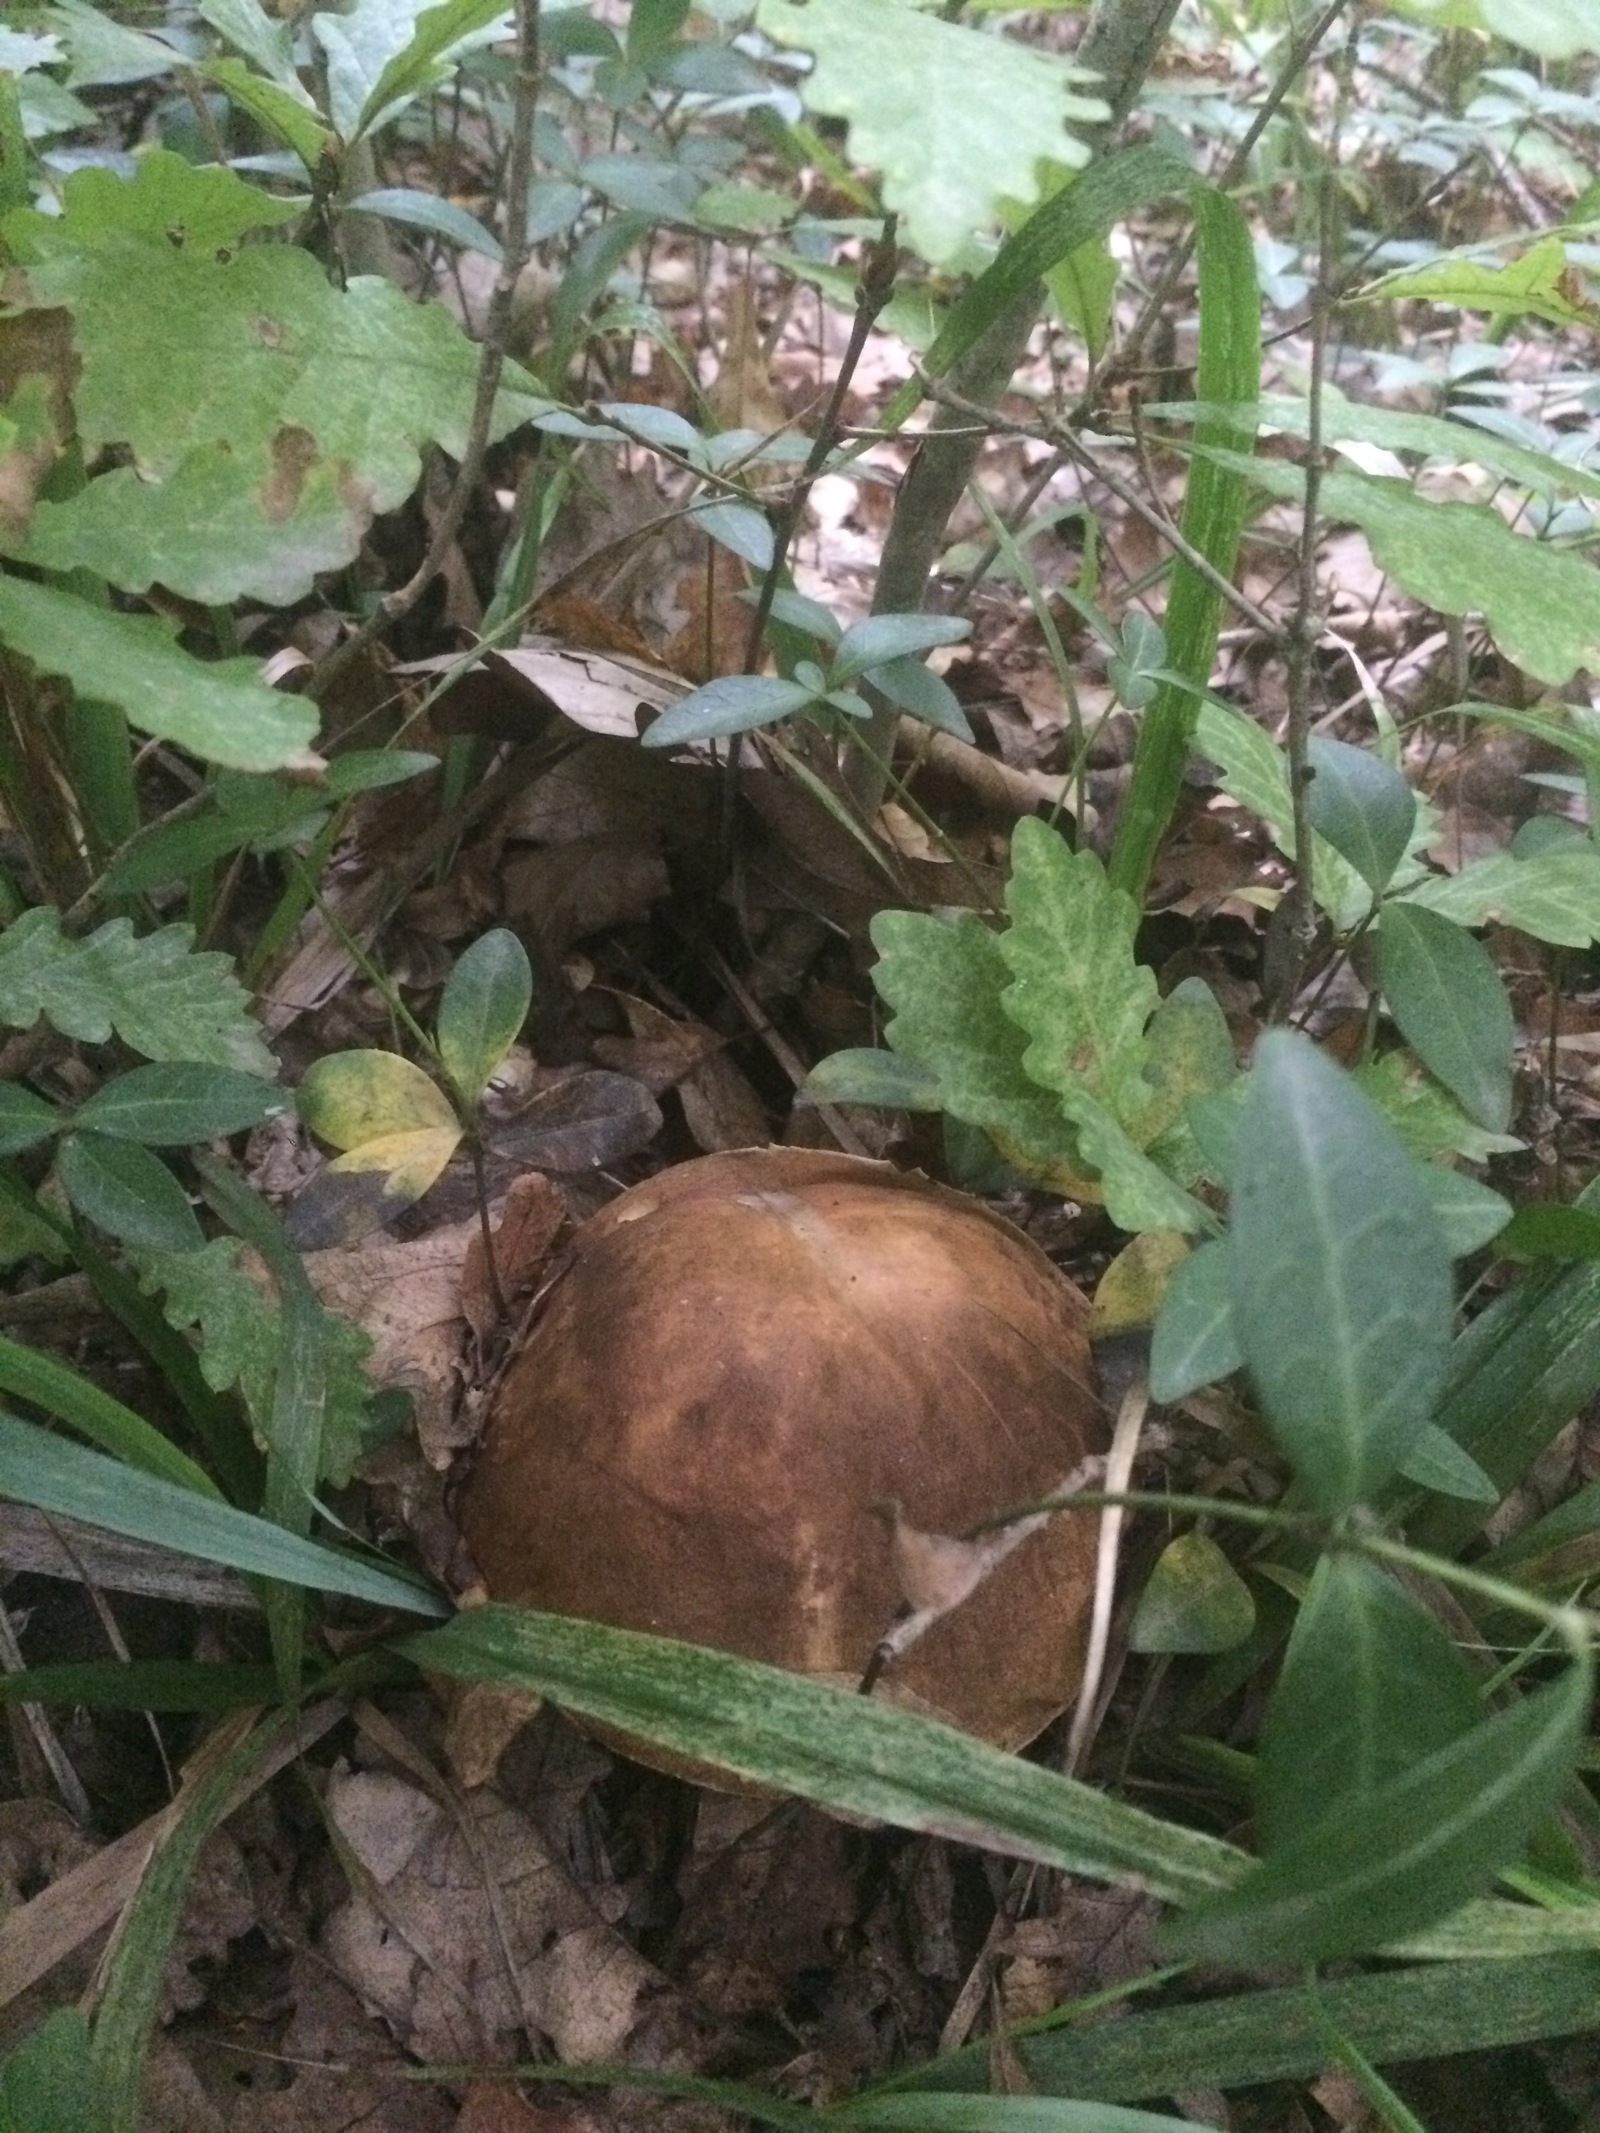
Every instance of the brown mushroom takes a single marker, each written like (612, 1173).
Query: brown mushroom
(741, 1360)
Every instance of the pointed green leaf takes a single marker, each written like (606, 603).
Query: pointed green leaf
(740, 528)
(880, 638)
(734, 703)
(1437, 1462)
(128, 1192)
(1365, 809)
(177, 1102)
(1195, 1601)
(1190, 1060)
(1444, 992)
(1194, 1342)
(28, 1375)
(1469, 1213)
(1392, 1860)
(916, 689)
(1370, 1685)
(1341, 1279)
(25, 1119)
(485, 1002)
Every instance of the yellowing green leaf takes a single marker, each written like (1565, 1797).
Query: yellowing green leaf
(1540, 284)
(350, 1098)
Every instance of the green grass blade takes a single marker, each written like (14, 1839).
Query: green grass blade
(27, 1375)
(39, 1469)
(1419, 2013)
(852, 1752)
(1215, 507)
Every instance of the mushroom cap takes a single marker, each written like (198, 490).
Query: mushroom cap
(740, 1362)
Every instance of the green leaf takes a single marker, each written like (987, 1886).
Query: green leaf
(1195, 1601)
(1541, 603)
(1553, 894)
(955, 120)
(1076, 991)
(1446, 996)
(156, 993)
(943, 978)
(240, 1339)
(105, 54)
(384, 53)
(166, 200)
(1190, 1061)
(1543, 1230)
(427, 211)
(740, 528)
(1393, 1859)
(878, 639)
(1255, 772)
(48, 2082)
(869, 1075)
(825, 1744)
(485, 1002)
(220, 710)
(1138, 1194)
(270, 415)
(1538, 283)
(248, 27)
(1365, 809)
(735, 703)
(1194, 1342)
(1427, 1118)
(178, 1102)
(25, 1119)
(1435, 1461)
(1341, 1280)
(128, 1192)
(1435, 437)
(281, 108)
(1370, 1686)
(69, 1482)
(912, 687)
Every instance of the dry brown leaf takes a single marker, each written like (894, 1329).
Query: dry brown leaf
(466, 1933)
(495, 2107)
(530, 1221)
(407, 1299)
(568, 891)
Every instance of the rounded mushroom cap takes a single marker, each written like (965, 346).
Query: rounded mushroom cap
(742, 1360)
